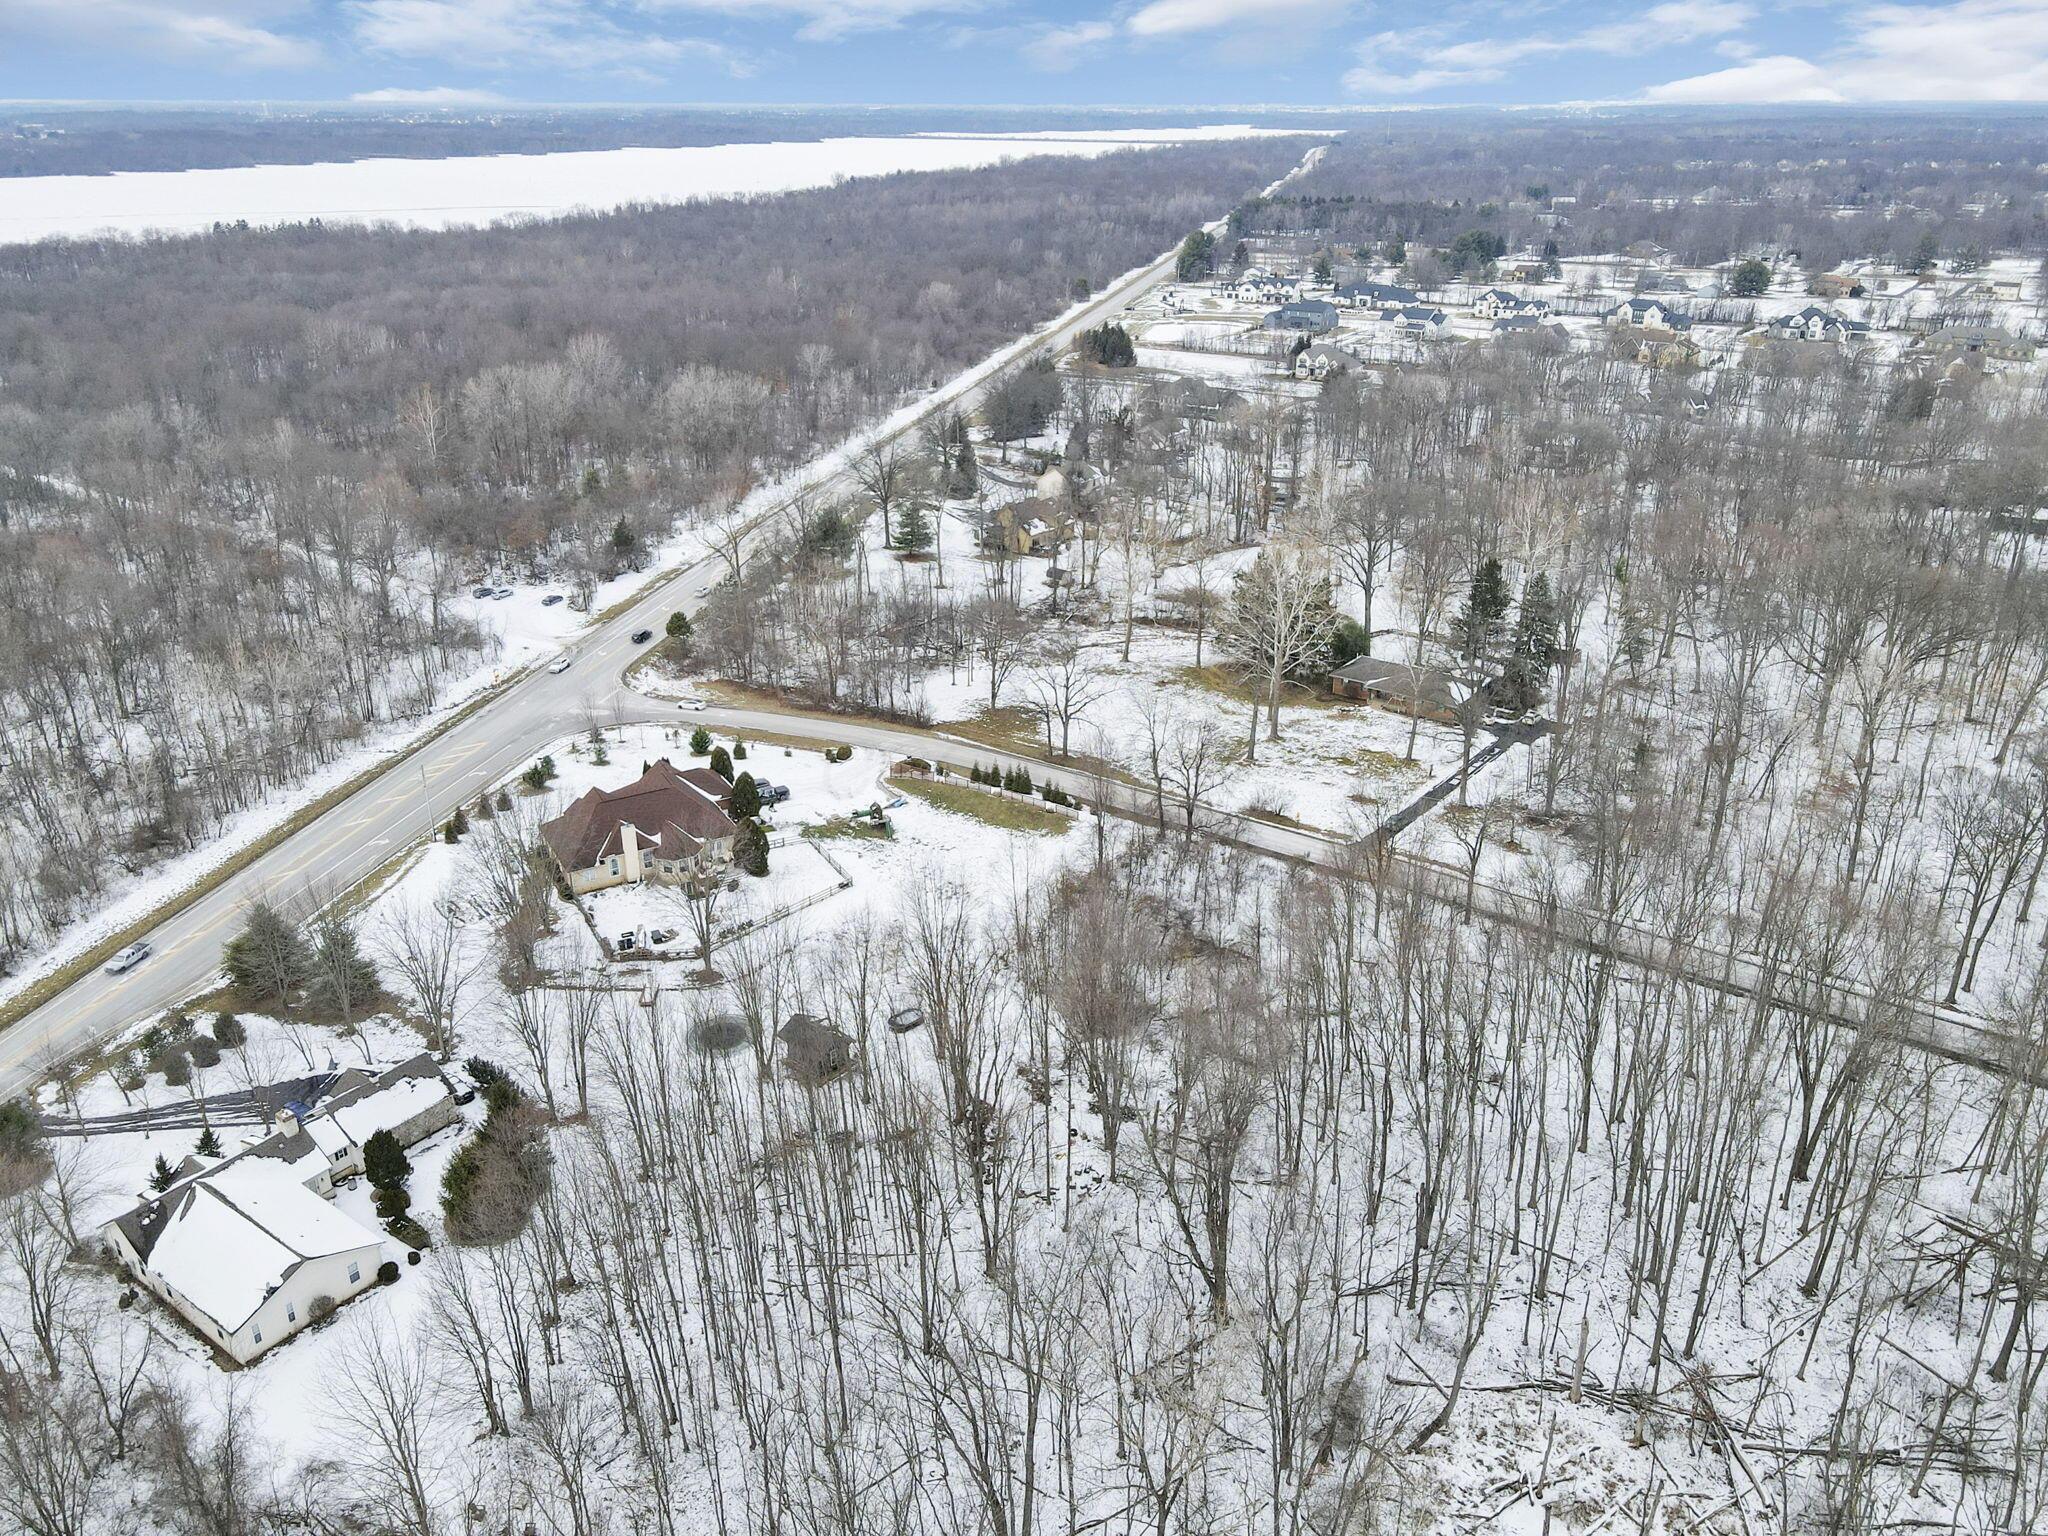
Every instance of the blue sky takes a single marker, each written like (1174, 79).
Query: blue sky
(1192, 53)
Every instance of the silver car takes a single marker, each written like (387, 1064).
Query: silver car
(129, 958)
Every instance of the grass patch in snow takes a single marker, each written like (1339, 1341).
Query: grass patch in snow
(1007, 728)
(1216, 680)
(998, 810)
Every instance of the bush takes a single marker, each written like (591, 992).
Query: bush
(175, 1065)
(721, 763)
(319, 1307)
(229, 1031)
(204, 1050)
(700, 742)
(739, 751)
(384, 1162)
(1108, 345)
(412, 1254)
(387, 1273)
(482, 1071)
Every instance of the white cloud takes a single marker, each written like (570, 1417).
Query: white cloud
(1406, 63)
(241, 33)
(1167, 18)
(560, 34)
(1973, 50)
(428, 96)
(1057, 48)
(824, 20)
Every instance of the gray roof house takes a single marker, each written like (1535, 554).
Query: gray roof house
(1649, 313)
(1313, 316)
(1816, 324)
(1376, 295)
(1322, 360)
(1434, 693)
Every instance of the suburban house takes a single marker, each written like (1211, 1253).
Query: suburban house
(1376, 296)
(1816, 324)
(1031, 525)
(813, 1052)
(666, 826)
(1312, 316)
(1430, 692)
(1836, 285)
(1524, 270)
(1498, 303)
(1993, 341)
(1322, 360)
(1647, 313)
(1189, 397)
(246, 1248)
(1416, 320)
(1525, 325)
(1262, 290)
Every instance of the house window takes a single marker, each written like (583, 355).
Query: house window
(291, 1311)
(258, 1332)
(355, 1273)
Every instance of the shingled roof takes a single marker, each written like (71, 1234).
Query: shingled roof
(667, 808)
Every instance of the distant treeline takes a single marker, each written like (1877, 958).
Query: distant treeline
(241, 474)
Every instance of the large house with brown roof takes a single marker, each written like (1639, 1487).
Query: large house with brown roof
(670, 826)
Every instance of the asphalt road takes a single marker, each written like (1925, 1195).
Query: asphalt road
(420, 787)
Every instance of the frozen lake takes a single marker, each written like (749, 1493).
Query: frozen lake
(468, 190)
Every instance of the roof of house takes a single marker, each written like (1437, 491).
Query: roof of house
(1382, 293)
(1813, 312)
(1519, 322)
(1327, 352)
(1973, 335)
(1322, 309)
(224, 1241)
(1427, 314)
(663, 806)
(1431, 686)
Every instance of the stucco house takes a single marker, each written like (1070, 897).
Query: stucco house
(1649, 314)
(667, 826)
(1376, 296)
(247, 1248)
(1816, 324)
(1498, 304)
(1322, 360)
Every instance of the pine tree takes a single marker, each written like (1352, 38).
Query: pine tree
(209, 1143)
(739, 751)
(161, 1175)
(1536, 623)
(721, 763)
(268, 960)
(746, 798)
(678, 627)
(700, 742)
(913, 528)
(750, 848)
(1485, 606)
(385, 1164)
(343, 976)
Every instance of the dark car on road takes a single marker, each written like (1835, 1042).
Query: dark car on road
(642, 636)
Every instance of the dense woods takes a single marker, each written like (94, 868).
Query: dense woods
(241, 475)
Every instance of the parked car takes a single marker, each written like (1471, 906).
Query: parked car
(479, 591)
(551, 599)
(559, 664)
(905, 1017)
(628, 941)
(502, 592)
(642, 636)
(660, 936)
(460, 1083)
(129, 958)
(771, 794)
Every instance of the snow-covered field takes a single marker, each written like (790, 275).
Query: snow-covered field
(483, 189)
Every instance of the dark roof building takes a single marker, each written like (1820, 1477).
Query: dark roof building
(673, 816)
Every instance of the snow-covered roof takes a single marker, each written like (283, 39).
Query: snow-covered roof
(389, 1107)
(234, 1235)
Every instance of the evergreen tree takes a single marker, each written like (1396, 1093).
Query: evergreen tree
(700, 742)
(1324, 267)
(268, 960)
(1551, 265)
(746, 798)
(913, 528)
(739, 751)
(209, 1143)
(385, 1164)
(1108, 345)
(161, 1175)
(1485, 606)
(624, 540)
(1397, 250)
(678, 627)
(1536, 623)
(540, 775)
(1197, 257)
(343, 976)
(750, 848)
(1750, 279)
(721, 763)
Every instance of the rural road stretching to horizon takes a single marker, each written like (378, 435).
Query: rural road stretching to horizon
(419, 787)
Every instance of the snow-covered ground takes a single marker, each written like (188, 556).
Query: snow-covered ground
(483, 189)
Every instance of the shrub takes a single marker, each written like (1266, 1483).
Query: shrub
(482, 1071)
(205, 1051)
(384, 1162)
(387, 1273)
(412, 1254)
(229, 1030)
(721, 763)
(391, 1203)
(739, 751)
(700, 742)
(175, 1065)
(319, 1307)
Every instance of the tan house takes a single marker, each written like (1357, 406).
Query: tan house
(668, 826)
(1032, 525)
